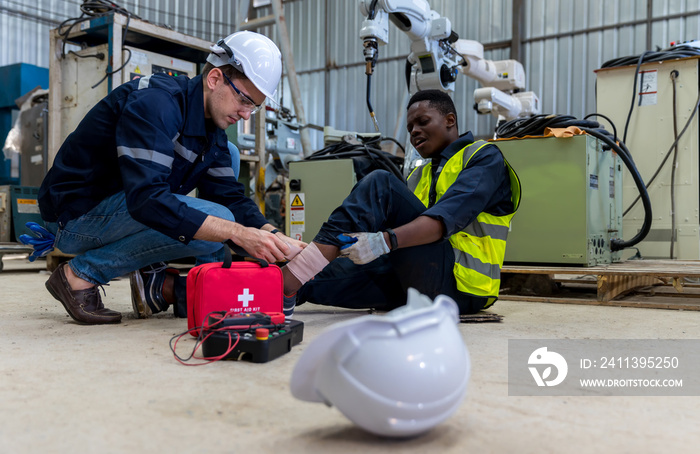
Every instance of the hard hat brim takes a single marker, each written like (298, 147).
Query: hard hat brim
(303, 377)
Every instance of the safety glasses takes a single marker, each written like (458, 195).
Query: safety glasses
(247, 103)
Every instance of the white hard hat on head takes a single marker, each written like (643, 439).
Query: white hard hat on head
(394, 375)
(254, 55)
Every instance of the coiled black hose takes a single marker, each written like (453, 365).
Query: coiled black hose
(680, 51)
(367, 148)
(535, 126)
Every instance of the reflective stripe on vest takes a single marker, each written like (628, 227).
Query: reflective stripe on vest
(480, 247)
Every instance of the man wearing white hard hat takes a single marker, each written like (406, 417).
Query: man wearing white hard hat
(116, 196)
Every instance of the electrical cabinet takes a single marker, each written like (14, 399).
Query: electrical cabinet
(25, 208)
(314, 190)
(571, 201)
(16, 81)
(33, 121)
(75, 68)
(84, 83)
(5, 213)
(656, 113)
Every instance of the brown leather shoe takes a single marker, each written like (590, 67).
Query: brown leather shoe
(85, 306)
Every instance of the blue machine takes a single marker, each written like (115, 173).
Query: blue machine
(16, 80)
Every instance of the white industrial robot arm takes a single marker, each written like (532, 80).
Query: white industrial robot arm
(502, 83)
(430, 36)
(437, 56)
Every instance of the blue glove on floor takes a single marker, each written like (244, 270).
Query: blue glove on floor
(41, 240)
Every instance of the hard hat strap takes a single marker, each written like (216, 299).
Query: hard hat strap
(222, 44)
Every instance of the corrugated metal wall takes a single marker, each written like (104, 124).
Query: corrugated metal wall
(328, 53)
(24, 29)
(25, 26)
(564, 41)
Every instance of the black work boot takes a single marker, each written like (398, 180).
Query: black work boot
(85, 306)
(147, 289)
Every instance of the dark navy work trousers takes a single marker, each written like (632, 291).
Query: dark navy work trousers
(380, 201)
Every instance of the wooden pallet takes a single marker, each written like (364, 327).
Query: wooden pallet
(662, 284)
(55, 258)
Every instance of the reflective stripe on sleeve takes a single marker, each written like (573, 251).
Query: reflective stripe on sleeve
(221, 172)
(481, 229)
(146, 155)
(144, 82)
(184, 152)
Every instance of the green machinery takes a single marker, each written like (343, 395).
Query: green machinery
(570, 210)
(314, 190)
(572, 201)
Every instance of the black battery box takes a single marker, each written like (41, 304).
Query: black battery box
(255, 337)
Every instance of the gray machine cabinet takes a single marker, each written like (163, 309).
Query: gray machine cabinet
(323, 185)
(571, 201)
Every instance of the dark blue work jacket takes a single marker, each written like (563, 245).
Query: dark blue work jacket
(149, 138)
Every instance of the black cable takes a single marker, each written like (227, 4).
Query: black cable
(372, 10)
(536, 125)
(99, 55)
(391, 139)
(680, 51)
(109, 73)
(612, 125)
(407, 72)
(668, 153)
(617, 244)
(674, 52)
(464, 59)
(91, 9)
(369, 103)
(634, 94)
(74, 21)
(368, 149)
(674, 74)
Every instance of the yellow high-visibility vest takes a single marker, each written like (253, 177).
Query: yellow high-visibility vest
(480, 247)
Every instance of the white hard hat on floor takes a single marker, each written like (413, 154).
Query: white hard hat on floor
(394, 375)
(254, 55)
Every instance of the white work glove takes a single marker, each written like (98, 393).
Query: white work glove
(363, 247)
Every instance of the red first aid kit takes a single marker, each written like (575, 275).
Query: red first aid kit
(235, 287)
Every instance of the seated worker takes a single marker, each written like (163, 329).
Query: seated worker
(443, 234)
(116, 193)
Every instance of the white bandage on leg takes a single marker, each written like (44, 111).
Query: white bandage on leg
(307, 264)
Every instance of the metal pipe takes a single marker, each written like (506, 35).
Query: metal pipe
(260, 121)
(278, 11)
(327, 73)
(254, 24)
(400, 116)
(518, 27)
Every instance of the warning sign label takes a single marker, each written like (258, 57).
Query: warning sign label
(297, 214)
(298, 200)
(27, 206)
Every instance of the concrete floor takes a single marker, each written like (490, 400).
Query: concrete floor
(87, 389)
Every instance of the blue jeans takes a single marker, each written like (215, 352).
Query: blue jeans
(109, 243)
(380, 201)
